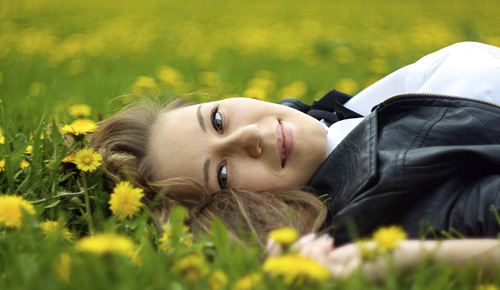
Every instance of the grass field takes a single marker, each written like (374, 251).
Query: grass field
(56, 55)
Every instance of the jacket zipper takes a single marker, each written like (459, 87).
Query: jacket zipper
(429, 95)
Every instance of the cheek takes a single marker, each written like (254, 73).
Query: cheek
(254, 177)
(257, 178)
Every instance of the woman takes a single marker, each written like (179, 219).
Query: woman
(253, 164)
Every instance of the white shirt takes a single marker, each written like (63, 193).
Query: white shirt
(466, 69)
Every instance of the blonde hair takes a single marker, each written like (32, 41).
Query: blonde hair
(123, 140)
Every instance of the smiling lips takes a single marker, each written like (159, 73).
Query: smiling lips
(284, 142)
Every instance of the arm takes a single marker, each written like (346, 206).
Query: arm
(343, 261)
(482, 253)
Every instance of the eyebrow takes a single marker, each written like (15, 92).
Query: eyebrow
(200, 119)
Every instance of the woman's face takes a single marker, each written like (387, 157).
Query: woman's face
(239, 143)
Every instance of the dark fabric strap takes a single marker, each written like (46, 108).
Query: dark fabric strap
(329, 108)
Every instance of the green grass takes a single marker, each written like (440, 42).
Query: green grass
(54, 54)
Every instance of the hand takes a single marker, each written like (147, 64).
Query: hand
(342, 262)
(316, 248)
(308, 246)
(345, 260)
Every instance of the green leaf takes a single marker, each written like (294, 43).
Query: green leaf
(448, 235)
(176, 221)
(66, 177)
(456, 232)
(54, 204)
(221, 239)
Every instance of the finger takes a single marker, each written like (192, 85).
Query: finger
(326, 243)
(343, 271)
(302, 241)
(343, 254)
(273, 248)
(321, 247)
(317, 249)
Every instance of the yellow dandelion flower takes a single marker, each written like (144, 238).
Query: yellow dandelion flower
(248, 282)
(80, 127)
(217, 281)
(388, 237)
(48, 163)
(24, 164)
(169, 75)
(144, 84)
(2, 165)
(487, 287)
(261, 83)
(147, 82)
(50, 227)
(10, 210)
(63, 267)
(192, 268)
(29, 149)
(2, 138)
(284, 236)
(41, 136)
(80, 110)
(265, 74)
(347, 85)
(296, 89)
(187, 240)
(125, 200)
(87, 160)
(296, 270)
(367, 251)
(255, 93)
(106, 243)
(70, 158)
(164, 241)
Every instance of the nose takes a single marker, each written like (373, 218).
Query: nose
(246, 140)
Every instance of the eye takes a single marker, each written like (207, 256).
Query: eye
(222, 175)
(217, 120)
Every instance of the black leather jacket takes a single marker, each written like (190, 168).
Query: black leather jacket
(422, 162)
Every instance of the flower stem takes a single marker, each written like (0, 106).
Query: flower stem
(88, 213)
(59, 195)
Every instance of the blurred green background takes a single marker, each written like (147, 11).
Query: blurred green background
(55, 53)
(58, 53)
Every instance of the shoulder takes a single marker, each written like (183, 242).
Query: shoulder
(470, 46)
(462, 53)
(468, 69)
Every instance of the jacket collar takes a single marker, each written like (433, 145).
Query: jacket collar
(349, 168)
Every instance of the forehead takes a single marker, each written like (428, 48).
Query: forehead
(175, 144)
